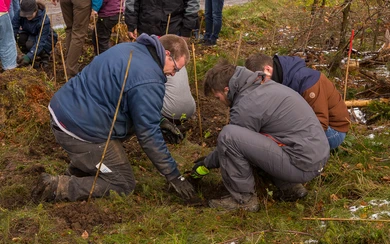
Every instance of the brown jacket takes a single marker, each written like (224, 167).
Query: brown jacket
(328, 105)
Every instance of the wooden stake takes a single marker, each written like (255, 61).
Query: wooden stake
(63, 62)
(200, 27)
(346, 72)
(96, 35)
(39, 38)
(238, 48)
(197, 94)
(53, 52)
(344, 219)
(363, 103)
(112, 126)
(169, 20)
(119, 21)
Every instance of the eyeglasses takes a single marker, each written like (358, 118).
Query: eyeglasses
(175, 68)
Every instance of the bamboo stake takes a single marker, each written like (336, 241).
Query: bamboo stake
(169, 20)
(200, 27)
(63, 62)
(238, 49)
(197, 93)
(112, 126)
(346, 72)
(344, 219)
(119, 21)
(96, 35)
(39, 38)
(53, 52)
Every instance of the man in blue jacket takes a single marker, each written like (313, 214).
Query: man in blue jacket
(83, 109)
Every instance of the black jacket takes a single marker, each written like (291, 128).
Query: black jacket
(151, 16)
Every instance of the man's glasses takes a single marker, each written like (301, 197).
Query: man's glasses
(175, 68)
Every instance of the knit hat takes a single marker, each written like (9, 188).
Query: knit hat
(27, 8)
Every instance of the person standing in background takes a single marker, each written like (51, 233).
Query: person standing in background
(213, 19)
(8, 52)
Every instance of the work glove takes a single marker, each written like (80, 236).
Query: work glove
(183, 187)
(171, 133)
(24, 61)
(199, 170)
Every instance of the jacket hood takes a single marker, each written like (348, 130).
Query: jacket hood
(241, 80)
(153, 40)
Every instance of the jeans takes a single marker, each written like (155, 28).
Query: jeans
(115, 174)
(335, 138)
(213, 19)
(13, 8)
(8, 52)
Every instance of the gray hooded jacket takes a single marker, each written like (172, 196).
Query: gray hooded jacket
(279, 111)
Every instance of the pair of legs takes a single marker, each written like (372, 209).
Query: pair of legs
(26, 42)
(213, 19)
(8, 53)
(104, 27)
(115, 174)
(76, 15)
(240, 149)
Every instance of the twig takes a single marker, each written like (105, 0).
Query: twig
(345, 219)
(197, 93)
(96, 34)
(119, 21)
(169, 20)
(53, 52)
(63, 61)
(39, 39)
(238, 48)
(112, 127)
(346, 72)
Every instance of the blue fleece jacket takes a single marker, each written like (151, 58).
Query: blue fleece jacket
(86, 104)
(296, 75)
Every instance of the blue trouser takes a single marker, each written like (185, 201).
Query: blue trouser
(13, 8)
(8, 53)
(213, 18)
(84, 156)
(240, 149)
(335, 138)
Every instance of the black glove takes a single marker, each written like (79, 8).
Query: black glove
(199, 170)
(183, 187)
(170, 132)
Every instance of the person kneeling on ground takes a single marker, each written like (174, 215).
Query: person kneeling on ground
(27, 25)
(271, 128)
(83, 109)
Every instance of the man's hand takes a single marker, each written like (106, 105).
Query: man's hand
(133, 35)
(170, 132)
(199, 170)
(23, 61)
(94, 15)
(183, 187)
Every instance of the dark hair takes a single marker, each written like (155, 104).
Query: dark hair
(257, 62)
(176, 45)
(218, 77)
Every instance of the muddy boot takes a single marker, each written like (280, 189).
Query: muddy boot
(229, 203)
(45, 189)
(292, 194)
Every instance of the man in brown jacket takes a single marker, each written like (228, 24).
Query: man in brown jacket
(319, 92)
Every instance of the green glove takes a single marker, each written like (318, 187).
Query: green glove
(199, 170)
(26, 61)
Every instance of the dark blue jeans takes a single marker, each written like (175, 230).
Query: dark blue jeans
(335, 138)
(213, 18)
(116, 174)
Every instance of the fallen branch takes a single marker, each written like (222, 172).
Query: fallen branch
(364, 103)
(344, 219)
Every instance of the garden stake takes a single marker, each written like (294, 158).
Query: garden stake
(63, 61)
(238, 48)
(53, 53)
(344, 219)
(169, 20)
(197, 94)
(119, 21)
(112, 126)
(200, 27)
(96, 35)
(346, 72)
(39, 38)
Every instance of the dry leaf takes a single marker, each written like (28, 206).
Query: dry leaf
(386, 178)
(334, 197)
(85, 235)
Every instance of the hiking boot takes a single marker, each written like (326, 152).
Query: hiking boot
(229, 203)
(210, 43)
(292, 194)
(45, 189)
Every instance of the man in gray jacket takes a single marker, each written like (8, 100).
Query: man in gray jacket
(272, 128)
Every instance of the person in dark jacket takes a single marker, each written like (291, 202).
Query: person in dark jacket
(83, 109)
(107, 13)
(318, 91)
(271, 128)
(28, 31)
(151, 17)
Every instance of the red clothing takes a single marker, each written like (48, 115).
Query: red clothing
(4, 5)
